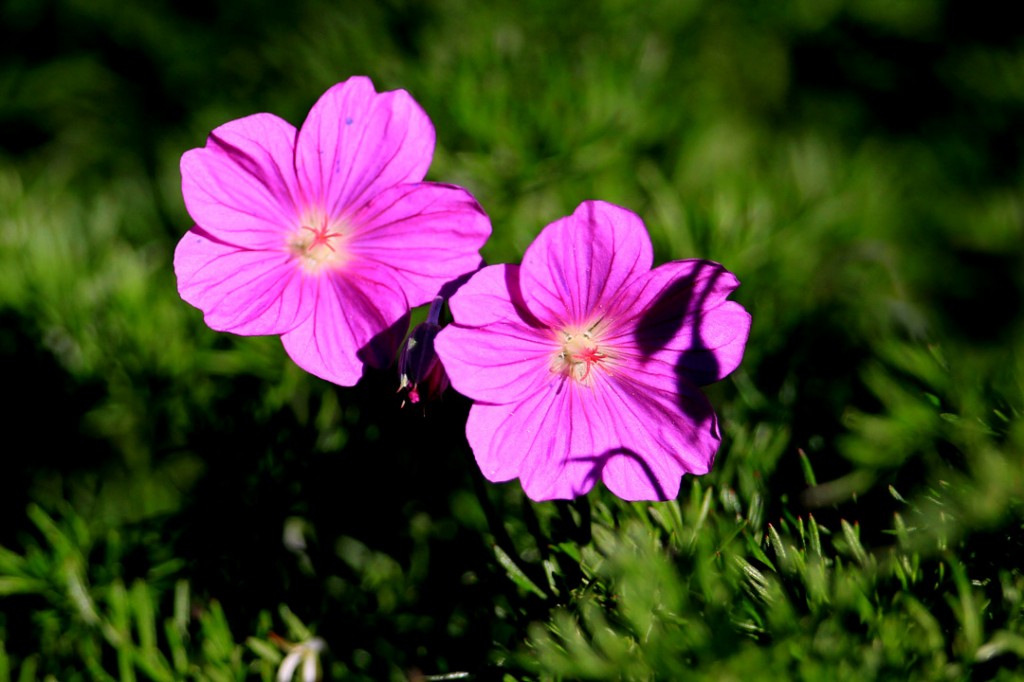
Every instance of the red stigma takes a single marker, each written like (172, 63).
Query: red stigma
(321, 237)
(591, 356)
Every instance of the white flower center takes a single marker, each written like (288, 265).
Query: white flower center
(580, 354)
(319, 243)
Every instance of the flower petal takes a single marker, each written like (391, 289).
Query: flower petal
(429, 233)
(536, 441)
(360, 316)
(723, 333)
(240, 290)
(492, 295)
(501, 357)
(578, 264)
(241, 187)
(656, 428)
(678, 313)
(497, 364)
(638, 433)
(355, 143)
(289, 664)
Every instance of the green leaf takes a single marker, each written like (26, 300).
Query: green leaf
(1002, 642)
(516, 573)
(776, 542)
(755, 580)
(265, 650)
(297, 630)
(175, 642)
(815, 538)
(852, 536)
(5, 664)
(18, 585)
(805, 465)
(120, 620)
(145, 618)
(10, 562)
(28, 669)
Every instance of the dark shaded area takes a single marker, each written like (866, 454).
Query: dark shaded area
(822, 368)
(42, 437)
(259, 474)
(132, 86)
(983, 298)
(864, 78)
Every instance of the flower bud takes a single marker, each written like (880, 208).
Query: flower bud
(420, 371)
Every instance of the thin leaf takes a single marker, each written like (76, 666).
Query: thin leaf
(515, 573)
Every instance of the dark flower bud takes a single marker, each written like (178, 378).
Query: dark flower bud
(420, 372)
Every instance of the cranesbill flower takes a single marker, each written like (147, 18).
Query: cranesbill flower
(584, 363)
(325, 235)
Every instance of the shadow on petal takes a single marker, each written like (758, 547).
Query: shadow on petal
(515, 293)
(599, 462)
(451, 287)
(677, 304)
(668, 312)
(382, 349)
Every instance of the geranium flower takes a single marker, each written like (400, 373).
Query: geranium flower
(584, 363)
(325, 235)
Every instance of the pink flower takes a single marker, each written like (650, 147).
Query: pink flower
(325, 235)
(584, 362)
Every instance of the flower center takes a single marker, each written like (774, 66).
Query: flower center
(318, 244)
(579, 355)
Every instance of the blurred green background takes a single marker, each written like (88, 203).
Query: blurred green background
(165, 489)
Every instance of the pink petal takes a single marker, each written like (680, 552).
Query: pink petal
(360, 316)
(534, 440)
(501, 358)
(500, 363)
(356, 143)
(657, 428)
(638, 435)
(578, 264)
(239, 290)
(491, 295)
(678, 313)
(682, 287)
(241, 187)
(722, 335)
(498, 459)
(429, 233)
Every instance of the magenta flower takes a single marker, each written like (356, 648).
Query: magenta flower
(583, 362)
(325, 235)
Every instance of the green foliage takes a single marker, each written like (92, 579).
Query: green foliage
(87, 616)
(659, 604)
(856, 163)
